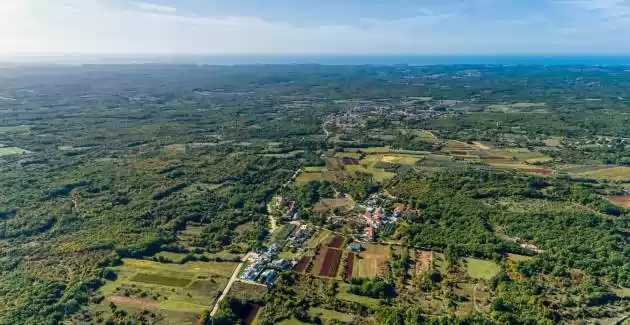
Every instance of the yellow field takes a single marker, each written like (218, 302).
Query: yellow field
(403, 160)
(191, 269)
(370, 262)
(615, 173)
(315, 169)
(538, 160)
(378, 174)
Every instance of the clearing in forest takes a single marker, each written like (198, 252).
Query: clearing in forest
(424, 262)
(481, 269)
(7, 151)
(324, 205)
(329, 315)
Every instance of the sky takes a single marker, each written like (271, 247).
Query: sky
(313, 27)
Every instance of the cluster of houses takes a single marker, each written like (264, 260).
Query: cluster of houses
(375, 216)
(264, 267)
(291, 208)
(299, 238)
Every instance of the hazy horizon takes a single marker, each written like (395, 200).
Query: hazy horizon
(326, 27)
(403, 59)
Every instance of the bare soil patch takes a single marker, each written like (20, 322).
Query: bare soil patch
(331, 204)
(133, 302)
(336, 242)
(424, 261)
(620, 200)
(302, 264)
(541, 171)
(349, 267)
(331, 262)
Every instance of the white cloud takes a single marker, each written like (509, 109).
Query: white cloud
(108, 27)
(155, 7)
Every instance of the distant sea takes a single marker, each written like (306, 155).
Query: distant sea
(549, 60)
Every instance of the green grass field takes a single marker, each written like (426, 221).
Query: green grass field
(328, 314)
(519, 258)
(160, 279)
(174, 257)
(323, 236)
(379, 175)
(291, 321)
(6, 151)
(344, 294)
(179, 292)
(15, 129)
(481, 269)
(315, 169)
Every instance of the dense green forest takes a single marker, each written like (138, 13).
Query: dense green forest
(102, 163)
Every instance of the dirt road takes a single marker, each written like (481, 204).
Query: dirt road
(233, 279)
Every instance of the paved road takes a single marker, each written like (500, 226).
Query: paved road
(233, 279)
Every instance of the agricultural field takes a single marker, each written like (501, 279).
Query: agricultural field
(344, 204)
(246, 291)
(378, 174)
(330, 176)
(370, 262)
(353, 155)
(401, 159)
(620, 200)
(173, 290)
(323, 236)
(613, 173)
(481, 269)
(330, 263)
(315, 169)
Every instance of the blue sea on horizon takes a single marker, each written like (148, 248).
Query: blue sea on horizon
(414, 60)
(547, 60)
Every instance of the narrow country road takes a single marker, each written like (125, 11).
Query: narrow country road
(233, 279)
(273, 224)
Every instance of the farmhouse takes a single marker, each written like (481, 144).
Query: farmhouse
(369, 234)
(354, 248)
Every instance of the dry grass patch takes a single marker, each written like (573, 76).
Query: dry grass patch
(614, 173)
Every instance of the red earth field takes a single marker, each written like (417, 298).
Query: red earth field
(331, 262)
